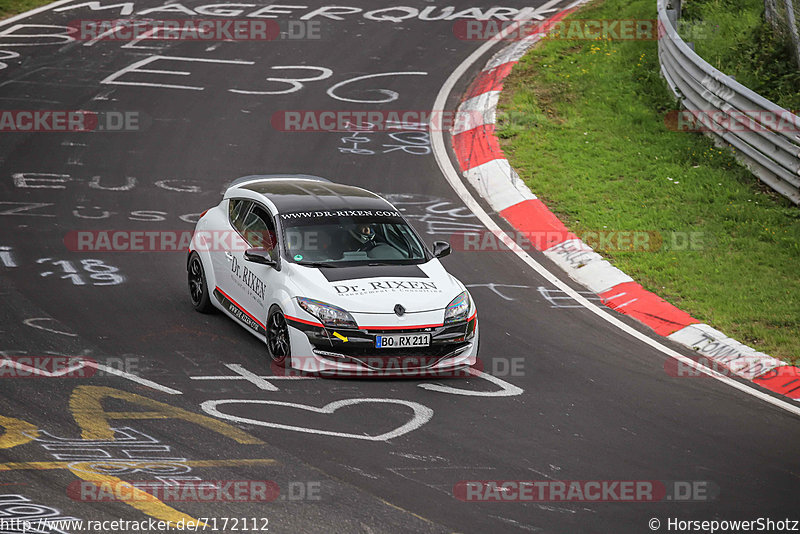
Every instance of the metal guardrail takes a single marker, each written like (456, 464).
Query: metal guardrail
(770, 152)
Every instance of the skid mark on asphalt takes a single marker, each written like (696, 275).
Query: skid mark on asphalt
(442, 485)
(444, 478)
(517, 523)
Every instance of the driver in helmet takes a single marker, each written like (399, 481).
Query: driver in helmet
(363, 236)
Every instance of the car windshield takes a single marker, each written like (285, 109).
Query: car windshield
(362, 237)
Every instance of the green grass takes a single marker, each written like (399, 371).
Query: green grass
(12, 7)
(583, 124)
(733, 36)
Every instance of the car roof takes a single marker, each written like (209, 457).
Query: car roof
(290, 193)
(260, 177)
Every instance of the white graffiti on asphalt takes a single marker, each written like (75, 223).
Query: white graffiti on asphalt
(438, 216)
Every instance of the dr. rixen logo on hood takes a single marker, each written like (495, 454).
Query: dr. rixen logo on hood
(387, 286)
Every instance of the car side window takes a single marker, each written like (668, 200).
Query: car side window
(258, 230)
(237, 209)
(410, 243)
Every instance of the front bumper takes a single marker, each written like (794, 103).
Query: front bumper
(316, 349)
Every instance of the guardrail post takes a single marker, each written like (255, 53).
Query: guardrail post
(675, 5)
(672, 16)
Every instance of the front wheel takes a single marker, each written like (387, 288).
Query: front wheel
(198, 288)
(278, 346)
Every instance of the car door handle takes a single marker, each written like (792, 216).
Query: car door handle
(229, 256)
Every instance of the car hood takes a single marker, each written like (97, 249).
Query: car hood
(377, 289)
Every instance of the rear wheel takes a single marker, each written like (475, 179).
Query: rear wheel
(198, 287)
(278, 345)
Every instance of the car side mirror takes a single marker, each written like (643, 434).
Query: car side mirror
(441, 249)
(259, 255)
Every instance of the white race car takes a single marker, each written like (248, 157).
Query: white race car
(332, 278)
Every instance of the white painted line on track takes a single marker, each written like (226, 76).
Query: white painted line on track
(33, 322)
(135, 378)
(5, 362)
(507, 390)
(422, 414)
(453, 178)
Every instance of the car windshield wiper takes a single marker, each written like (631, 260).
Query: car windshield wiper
(316, 264)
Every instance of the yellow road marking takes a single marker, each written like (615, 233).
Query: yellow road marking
(86, 405)
(387, 503)
(17, 432)
(87, 409)
(154, 508)
(141, 500)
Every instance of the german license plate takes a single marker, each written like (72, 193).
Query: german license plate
(402, 341)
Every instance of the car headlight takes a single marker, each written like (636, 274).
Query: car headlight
(329, 315)
(458, 309)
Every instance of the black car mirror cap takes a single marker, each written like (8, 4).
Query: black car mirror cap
(259, 255)
(441, 249)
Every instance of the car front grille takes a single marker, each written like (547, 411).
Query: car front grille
(401, 359)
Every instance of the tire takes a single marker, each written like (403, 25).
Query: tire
(278, 346)
(198, 286)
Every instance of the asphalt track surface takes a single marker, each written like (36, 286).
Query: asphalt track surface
(595, 403)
